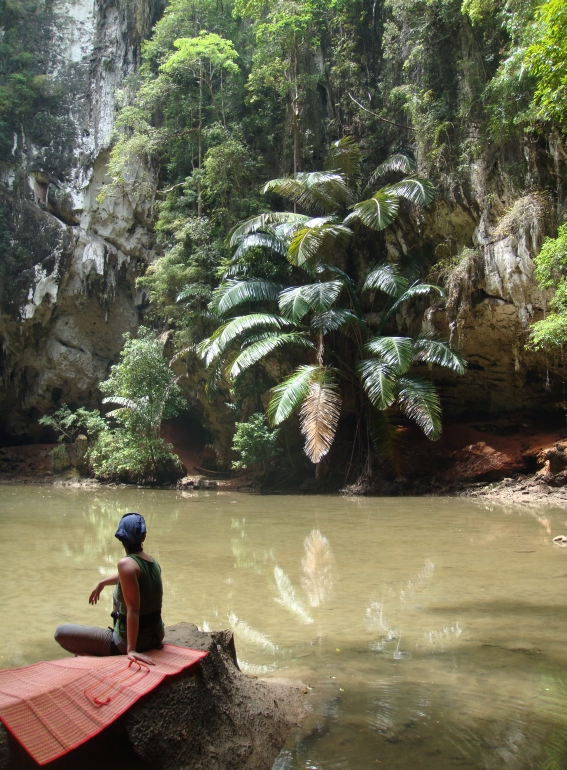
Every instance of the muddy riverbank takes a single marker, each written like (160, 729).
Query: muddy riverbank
(508, 460)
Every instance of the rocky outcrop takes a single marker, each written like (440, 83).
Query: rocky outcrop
(492, 301)
(73, 292)
(212, 717)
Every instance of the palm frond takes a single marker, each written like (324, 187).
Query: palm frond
(439, 353)
(413, 189)
(287, 596)
(215, 345)
(395, 352)
(376, 212)
(297, 301)
(293, 304)
(418, 290)
(250, 339)
(345, 158)
(117, 412)
(262, 348)
(317, 191)
(289, 394)
(194, 290)
(320, 296)
(261, 222)
(419, 400)
(234, 292)
(397, 162)
(312, 243)
(319, 415)
(260, 240)
(386, 278)
(379, 382)
(331, 320)
(181, 353)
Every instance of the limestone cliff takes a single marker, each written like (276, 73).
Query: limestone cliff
(486, 238)
(64, 314)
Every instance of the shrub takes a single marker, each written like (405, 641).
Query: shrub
(145, 391)
(60, 459)
(255, 442)
(551, 273)
(143, 388)
(76, 432)
(119, 455)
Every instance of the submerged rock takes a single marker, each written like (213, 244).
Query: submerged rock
(211, 717)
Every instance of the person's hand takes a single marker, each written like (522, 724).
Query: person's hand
(95, 595)
(141, 658)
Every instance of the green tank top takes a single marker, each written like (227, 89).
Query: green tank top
(151, 594)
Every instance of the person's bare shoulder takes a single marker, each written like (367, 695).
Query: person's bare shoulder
(127, 565)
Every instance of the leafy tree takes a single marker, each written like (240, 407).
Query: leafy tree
(255, 442)
(329, 306)
(144, 391)
(25, 89)
(70, 428)
(286, 33)
(188, 83)
(204, 58)
(180, 282)
(546, 59)
(70, 425)
(119, 455)
(143, 387)
(551, 273)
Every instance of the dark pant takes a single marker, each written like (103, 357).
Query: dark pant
(88, 640)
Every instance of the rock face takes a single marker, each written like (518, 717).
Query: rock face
(492, 300)
(62, 321)
(213, 717)
(218, 719)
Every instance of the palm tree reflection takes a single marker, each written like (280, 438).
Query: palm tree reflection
(317, 580)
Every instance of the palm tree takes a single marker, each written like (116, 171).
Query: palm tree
(329, 304)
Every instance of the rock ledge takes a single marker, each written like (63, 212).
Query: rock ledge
(212, 717)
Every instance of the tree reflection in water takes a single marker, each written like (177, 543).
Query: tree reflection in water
(317, 580)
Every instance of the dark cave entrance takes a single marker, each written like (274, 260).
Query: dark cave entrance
(189, 439)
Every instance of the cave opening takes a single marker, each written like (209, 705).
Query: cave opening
(188, 437)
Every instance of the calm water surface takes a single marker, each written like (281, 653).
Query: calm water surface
(433, 630)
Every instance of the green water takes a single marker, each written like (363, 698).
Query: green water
(433, 631)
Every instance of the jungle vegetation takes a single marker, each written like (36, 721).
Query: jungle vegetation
(285, 287)
(125, 444)
(322, 316)
(358, 111)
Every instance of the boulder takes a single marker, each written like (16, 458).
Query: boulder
(211, 717)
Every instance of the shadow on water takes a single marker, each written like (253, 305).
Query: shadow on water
(495, 607)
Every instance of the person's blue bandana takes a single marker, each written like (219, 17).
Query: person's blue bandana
(132, 528)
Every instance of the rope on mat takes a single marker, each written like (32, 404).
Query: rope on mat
(113, 681)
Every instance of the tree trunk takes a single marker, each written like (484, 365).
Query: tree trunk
(295, 115)
(199, 198)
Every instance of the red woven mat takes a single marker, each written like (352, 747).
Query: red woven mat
(54, 706)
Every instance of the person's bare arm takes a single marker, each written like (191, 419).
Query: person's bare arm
(109, 581)
(128, 572)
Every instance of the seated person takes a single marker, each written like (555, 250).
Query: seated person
(137, 603)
